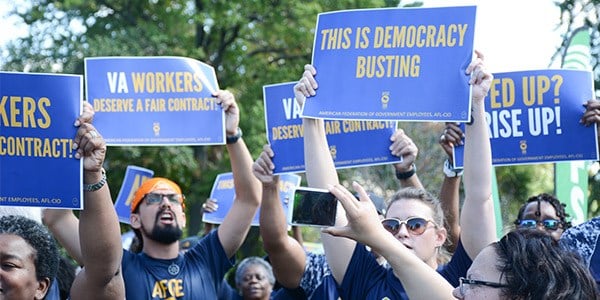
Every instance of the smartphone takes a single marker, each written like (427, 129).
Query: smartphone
(313, 207)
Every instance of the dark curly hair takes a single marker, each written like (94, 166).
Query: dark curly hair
(536, 267)
(559, 207)
(35, 234)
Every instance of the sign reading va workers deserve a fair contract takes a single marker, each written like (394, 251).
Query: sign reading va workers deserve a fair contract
(533, 117)
(352, 143)
(154, 101)
(393, 64)
(223, 192)
(37, 166)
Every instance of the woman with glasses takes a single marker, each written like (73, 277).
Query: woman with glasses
(526, 264)
(414, 220)
(544, 212)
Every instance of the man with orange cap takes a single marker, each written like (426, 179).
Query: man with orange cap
(158, 217)
(160, 271)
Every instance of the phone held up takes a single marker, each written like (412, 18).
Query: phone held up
(313, 207)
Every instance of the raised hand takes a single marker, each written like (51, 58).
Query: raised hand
(452, 136)
(232, 112)
(263, 167)
(307, 85)
(403, 146)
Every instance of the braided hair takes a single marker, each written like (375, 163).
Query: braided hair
(559, 207)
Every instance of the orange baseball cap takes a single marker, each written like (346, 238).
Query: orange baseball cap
(151, 185)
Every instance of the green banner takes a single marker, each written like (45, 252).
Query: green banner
(571, 186)
(571, 178)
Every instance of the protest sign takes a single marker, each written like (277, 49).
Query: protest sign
(533, 117)
(352, 143)
(37, 164)
(134, 177)
(224, 192)
(147, 101)
(393, 64)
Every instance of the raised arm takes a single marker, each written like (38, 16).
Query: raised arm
(286, 255)
(321, 173)
(450, 191)
(233, 230)
(62, 222)
(64, 226)
(406, 171)
(477, 219)
(364, 226)
(99, 231)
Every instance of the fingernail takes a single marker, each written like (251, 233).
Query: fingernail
(76, 123)
(75, 146)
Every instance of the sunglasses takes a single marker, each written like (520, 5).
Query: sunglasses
(415, 225)
(465, 281)
(154, 198)
(549, 224)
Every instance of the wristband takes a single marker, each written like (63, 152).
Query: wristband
(96, 186)
(232, 139)
(451, 171)
(407, 174)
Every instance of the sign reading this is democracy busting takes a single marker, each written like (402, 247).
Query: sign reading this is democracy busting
(393, 64)
(37, 163)
(154, 101)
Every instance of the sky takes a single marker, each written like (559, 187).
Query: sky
(513, 34)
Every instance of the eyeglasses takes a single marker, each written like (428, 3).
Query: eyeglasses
(154, 198)
(549, 224)
(415, 225)
(464, 281)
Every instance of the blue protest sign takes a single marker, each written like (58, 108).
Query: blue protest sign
(134, 177)
(352, 143)
(147, 101)
(37, 167)
(393, 64)
(533, 117)
(224, 192)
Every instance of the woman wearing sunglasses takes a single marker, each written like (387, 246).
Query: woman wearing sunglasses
(544, 212)
(413, 218)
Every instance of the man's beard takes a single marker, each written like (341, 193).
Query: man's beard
(164, 234)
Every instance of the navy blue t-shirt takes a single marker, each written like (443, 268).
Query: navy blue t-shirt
(366, 279)
(197, 274)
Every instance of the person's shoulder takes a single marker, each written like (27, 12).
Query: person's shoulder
(586, 231)
(582, 239)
